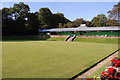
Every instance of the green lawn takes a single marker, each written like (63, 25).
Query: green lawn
(50, 59)
(95, 40)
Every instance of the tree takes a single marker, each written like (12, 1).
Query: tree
(111, 22)
(99, 21)
(68, 25)
(19, 10)
(45, 16)
(49, 20)
(32, 24)
(114, 14)
(7, 21)
(59, 19)
(13, 19)
(78, 21)
(6, 14)
(60, 25)
(88, 23)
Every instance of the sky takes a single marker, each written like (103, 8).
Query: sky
(71, 10)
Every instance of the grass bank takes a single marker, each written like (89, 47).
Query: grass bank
(94, 40)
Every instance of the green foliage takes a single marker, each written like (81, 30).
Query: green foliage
(60, 19)
(112, 22)
(14, 19)
(18, 21)
(32, 23)
(60, 25)
(99, 20)
(6, 13)
(49, 20)
(115, 12)
(78, 21)
(88, 23)
(20, 9)
(68, 25)
(44, 17)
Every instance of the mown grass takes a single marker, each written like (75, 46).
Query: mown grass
(94, 40)
(98, 40)
(37, 38)
(50, 59)
(56, 39)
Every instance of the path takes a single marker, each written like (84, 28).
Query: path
(89, 72)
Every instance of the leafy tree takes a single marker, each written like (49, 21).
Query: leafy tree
(7, 26)
(13, 19)
(60, 25)
(49, 20)
(20, 9)
(45, 16)
(32, 23)
(99, 20)
(114, 14)
(6, 14)
(59, 20)
(19, 26)
(7, 21)
(68, 25)
(111, 22)
(78, 21)
(88, 23)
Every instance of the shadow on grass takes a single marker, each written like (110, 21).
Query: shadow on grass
(25, 38)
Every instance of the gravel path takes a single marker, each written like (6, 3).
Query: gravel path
(92, 70)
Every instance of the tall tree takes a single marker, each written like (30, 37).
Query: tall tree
(49, 20)
(14, 19)
(68, 25)
(45, 16)
(20, 9)
(114, 14)
(59, 20)
(99, 20)
(78, 21)
(111, 22)
(6, 13)
(7, 22)
(88, 23)
(32, 23)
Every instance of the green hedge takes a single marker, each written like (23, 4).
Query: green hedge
(116, 33)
